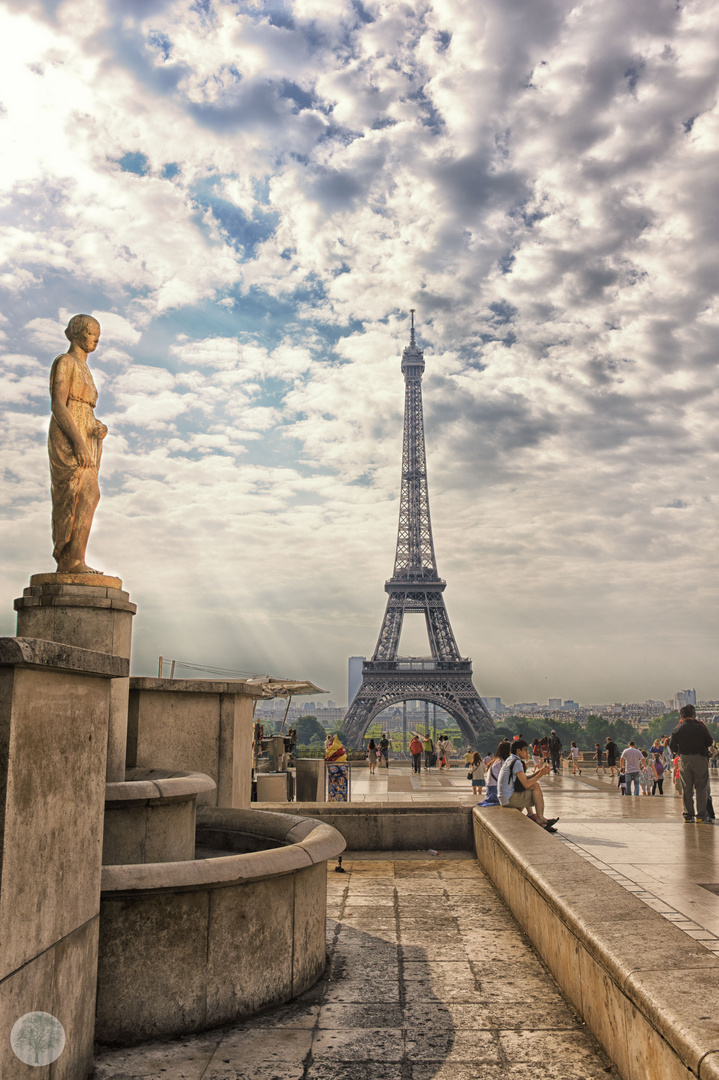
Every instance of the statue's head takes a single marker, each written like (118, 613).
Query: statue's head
(84, 330)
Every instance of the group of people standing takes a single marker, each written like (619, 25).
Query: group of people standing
(419, 747)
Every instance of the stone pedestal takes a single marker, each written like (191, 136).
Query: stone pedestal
(54, 709)
(89, 611)
(195, 724)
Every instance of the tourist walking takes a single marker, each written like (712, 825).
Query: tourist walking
(555, 750)
(647, 775)
(445, 748)
(536, 754)
(691, 740)
(656, 749)
(372, 756)
(516, 790)
(612, 754)
(658, 784)
(384, 750)
(428, 747)
(544, 744)
(574, 757)
(632, 760)
(622, 781)
(415, 749)
(599, 755)
(476, 774)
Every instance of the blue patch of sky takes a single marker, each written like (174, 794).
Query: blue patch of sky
(506, 262)
(429, 115)
(303, 99)
(241, 230)
(362, 13)
(133, 162)
(157, 40)
(633, 72)
(171, 170)
(442, 39)
(502, 311)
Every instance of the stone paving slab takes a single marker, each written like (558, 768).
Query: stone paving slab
(475, 1005)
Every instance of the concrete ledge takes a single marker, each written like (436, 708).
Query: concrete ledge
(654, 1019)
(157, 784)
(54, 656)
(197, 686)
(216, 828)
(391, 826)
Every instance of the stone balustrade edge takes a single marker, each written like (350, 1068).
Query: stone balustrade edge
(652, 1020)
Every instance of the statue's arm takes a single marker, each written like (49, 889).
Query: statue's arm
(59, 397)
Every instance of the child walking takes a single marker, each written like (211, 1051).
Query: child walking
(574, 754)
(477, 771)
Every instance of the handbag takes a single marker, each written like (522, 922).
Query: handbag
(470, 775)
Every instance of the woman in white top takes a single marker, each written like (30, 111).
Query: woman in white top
(574, 754)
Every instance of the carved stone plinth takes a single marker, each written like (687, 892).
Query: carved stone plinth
(89, 612)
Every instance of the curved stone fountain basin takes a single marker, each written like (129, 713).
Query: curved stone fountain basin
(186, 946)
(150, 816)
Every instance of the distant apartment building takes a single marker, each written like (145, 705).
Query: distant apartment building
(354, 677)
(555, 703)
(330, 718)
(685, 697)
(570, 705)
(494, 705)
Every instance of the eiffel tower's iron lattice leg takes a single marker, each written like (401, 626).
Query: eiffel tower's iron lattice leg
(449, 686)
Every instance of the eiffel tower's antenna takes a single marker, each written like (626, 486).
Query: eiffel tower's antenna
(411, 332)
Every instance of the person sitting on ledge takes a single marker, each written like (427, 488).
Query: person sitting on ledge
(516, 790)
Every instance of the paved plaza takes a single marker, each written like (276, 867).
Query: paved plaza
(429, 975)
(640, 841)
(429, 978)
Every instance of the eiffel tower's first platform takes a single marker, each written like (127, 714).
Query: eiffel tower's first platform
(445, 677)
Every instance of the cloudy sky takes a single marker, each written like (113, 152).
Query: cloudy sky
(250, 196)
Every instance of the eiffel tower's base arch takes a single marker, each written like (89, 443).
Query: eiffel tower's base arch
(450, 689)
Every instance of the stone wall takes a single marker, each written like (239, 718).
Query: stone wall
(54, 714)
(392, 826)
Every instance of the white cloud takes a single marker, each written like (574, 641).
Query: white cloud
(537, 180)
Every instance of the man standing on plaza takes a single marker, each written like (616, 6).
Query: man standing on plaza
(611, 755)
(428, 747)
(691, 740)
(633, 760)
(415, 749)
(384, 750)
(555, 750)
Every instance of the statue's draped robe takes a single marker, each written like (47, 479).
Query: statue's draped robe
(66, 475)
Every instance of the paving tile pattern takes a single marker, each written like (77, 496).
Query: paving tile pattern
(429, 978)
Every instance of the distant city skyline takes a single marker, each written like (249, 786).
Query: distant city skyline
(250, 198)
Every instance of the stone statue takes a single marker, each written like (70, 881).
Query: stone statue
(75, 446)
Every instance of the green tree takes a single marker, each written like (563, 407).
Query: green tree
(307, 727)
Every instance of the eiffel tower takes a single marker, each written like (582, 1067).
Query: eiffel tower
(445, 678)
